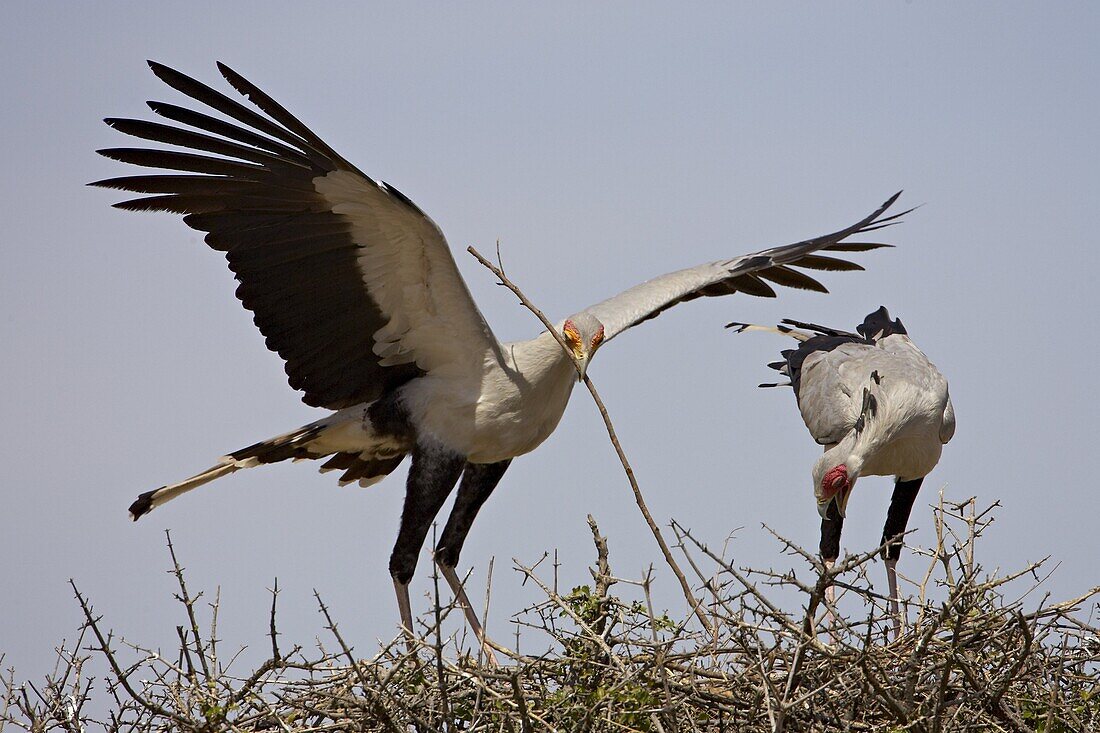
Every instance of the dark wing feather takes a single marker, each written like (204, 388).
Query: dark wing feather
(817, 262)
(879, 325)
(294, 257)
(788, 277)
(821, 330)
(741, 274)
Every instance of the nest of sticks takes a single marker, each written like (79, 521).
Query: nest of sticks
(974, 656)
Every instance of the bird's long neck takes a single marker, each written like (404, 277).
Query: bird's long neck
(852, 451)
(857, 447)
(541, 363)
(524, 397)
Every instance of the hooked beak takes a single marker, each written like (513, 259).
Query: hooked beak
(582, 360)
(840, 498)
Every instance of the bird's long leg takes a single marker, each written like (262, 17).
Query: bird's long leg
(432, 475)
(404, 607)
(832, 524)
(455, 582)
(892, 584)
(478, 483)
(830, 592)
(897, 518)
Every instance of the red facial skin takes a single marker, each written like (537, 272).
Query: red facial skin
(835, 480)
(597, 339)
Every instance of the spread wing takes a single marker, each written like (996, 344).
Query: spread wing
(349, 281)
(749, 274)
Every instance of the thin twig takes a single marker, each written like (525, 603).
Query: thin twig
(693, 603)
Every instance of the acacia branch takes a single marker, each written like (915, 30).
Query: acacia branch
(122, 677)
(693, 602)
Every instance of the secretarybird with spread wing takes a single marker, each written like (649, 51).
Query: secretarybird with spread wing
(356, 289)
(879, 407)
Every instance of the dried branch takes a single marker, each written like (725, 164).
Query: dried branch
(693, 603)
(976, 659)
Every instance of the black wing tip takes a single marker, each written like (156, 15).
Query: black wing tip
(159, 69)
(875, 217)
(111, 153)
(810, 289)
(738, 327)
(142, 505)
(162, 70)
(235, 79)
(227, 72)
(128, 125)
(888, 203)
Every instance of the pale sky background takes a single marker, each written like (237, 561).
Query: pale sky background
(602, 144)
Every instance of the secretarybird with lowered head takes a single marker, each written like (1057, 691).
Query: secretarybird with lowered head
(879, 407)
(356, 289)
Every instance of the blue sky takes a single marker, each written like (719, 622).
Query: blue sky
(601, 145)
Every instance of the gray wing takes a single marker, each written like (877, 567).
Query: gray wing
(830, 390)
(749, 274)
(947, 427)
(831, 384)
(348, 280)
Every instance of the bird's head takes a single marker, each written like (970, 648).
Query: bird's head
(833, 482)
(583, 334)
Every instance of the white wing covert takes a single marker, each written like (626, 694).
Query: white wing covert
(348, 280)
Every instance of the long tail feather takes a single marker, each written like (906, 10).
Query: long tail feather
(781, 330)
(150, 500)
(364, 457)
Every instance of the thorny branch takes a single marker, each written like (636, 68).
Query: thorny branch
(975, 659)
